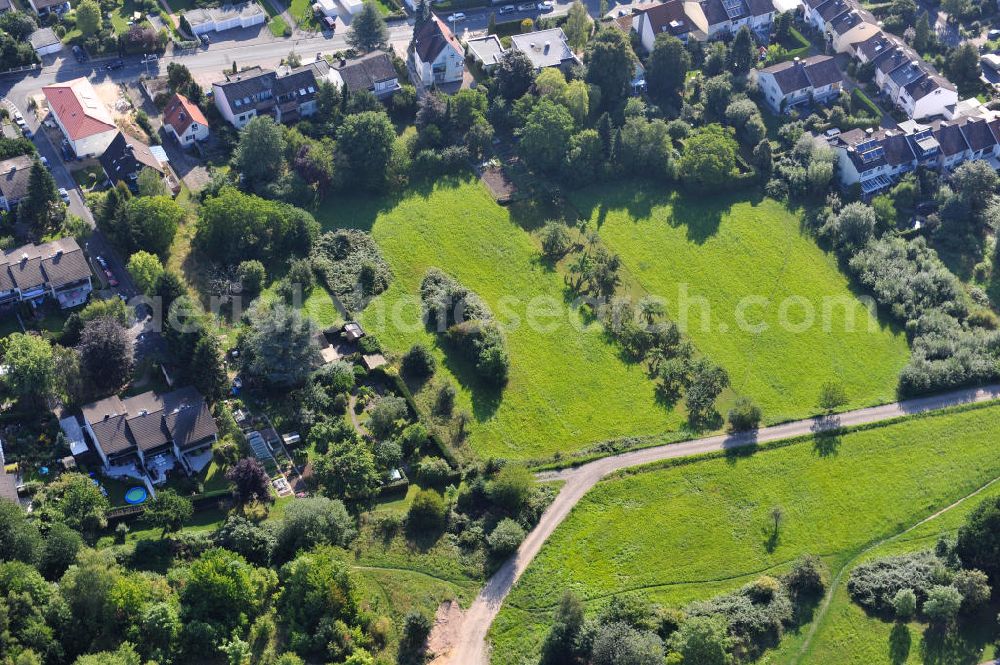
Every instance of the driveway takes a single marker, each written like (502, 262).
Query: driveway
(471, 648)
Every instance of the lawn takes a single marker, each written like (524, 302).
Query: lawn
(278, 26)
(690, 531)
(749, 262)
(568, 387)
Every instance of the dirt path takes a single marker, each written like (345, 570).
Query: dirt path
(472, 649)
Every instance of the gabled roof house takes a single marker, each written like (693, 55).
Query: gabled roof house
(81, 115)
(436, 56)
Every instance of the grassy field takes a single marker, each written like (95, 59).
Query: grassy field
(695, 530)
(568, 387)
(723, 252)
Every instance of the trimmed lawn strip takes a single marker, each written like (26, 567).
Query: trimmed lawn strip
(568, 386)
(723, 251)
(698, 529)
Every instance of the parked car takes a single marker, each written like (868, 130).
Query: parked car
(993, 34)
(117, 64)
(64, 195)
(45, 161)
(205, 40)
(79, 53)
(456, 17)
(526, 7)
(111, 278)
(101, 262)
(27, 132)
(19, 119)
(507, 9)
(545, 6)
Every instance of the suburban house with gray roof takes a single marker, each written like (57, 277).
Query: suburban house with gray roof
(147, 435)
(436, 56)
(787, 84)
(226, 17)
(373, 72)
(125, 159)
(545, 48)
(56, 269)
(45, 41)
(15, 173)
(728, 16)
(257, 92)
(669, 17)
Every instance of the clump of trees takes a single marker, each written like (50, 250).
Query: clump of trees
(351, 265)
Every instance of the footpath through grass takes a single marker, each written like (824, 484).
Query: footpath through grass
(695, 530)
(568, 386)
(762, 299)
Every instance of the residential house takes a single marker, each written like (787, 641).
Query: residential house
(15, 173)
(81, 115)
(889, 61)
(821, 16)
(56, 269)
(373, 72)
(147, 435)
(928, 96)
(45, 42)
(872, 47)
(873, 159)
(954, 149)
(436, 56)
(226, 17)
(486, 51)
(717, 17)
(125, 159)
(787, 84)
(44, 7)
(669, 17)
(901, 77)
(979, 137)
(258, 92)
(184, 120)
(545, 48)
(850, 28)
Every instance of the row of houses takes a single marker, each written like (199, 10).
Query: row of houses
(876, 159)
(702, 20)
(900, 74)
(35, 273)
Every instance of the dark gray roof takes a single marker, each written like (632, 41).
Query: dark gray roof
(298, 86)
(187, 418)
(904, 76)
(891, 60)
(432, 38)
(14, 176)
(364, 72)
(760, 7)
(977, 134)
(113, 435)
(950, 139)
(832, 9)
(715, 12)
(814, 4)
(815, 71)
(125, 157)
(874, 46)
(845, 22)
(42, 37)
(897, 150)
(247, 84)
(669, 17)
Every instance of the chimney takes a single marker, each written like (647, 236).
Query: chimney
(869, 131)
(59, 252)
(547, 45)
(797, 61)
(343, 62)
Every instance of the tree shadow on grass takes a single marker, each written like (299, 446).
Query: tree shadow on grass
(827, 435)
(942, 646)
(486, 397)
(900, 642)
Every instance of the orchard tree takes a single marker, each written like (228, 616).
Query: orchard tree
(368, 31)
(250, 481)
(106, 354)
(709, 159)
(168, 511)
(259, 156)
(145, 269)
(832, 396)
(364, 149)
(667, 70)
(88, 17)
(706, 384)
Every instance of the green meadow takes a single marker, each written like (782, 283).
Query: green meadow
(762, 299)
(692, 531)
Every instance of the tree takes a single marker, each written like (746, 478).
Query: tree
(88, 17)
(514, 74)
(512, 488)
(745, 415)
(709, 159)
(317, 591)
(505, 538)
(249, 481)
(252, 276)
(763, 156)
(31, 366)
(853, 227)
(427, 512)
(18, 25)
(974, 586)
(978, 542)
(560, 646)
(556, 240)
(259, 156)
(348, 470)
(618, 643)
(717, 92)
(75, 500)
(145, 269)
(418, 362)
(666, 70)
(706, 384)
(168, 288)
(702, 640)
(962, 65)
(313, 521)
(364, 149)
(389, 414)
(923, 38)
(904, 604)
(742, 53)
(832, 396)
(368, 31)
(150, 223)
(546, 135)
(254, 542)
(168, 511)
(19, 537)
(41, 208)
(278, 345)
(610, 66)
(106, 354)
(224, 591)
(577, 26)
(645, 148)
(976, 182)
(942, 604)
(150, 183)
(205, 370)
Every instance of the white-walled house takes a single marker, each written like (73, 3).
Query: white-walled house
(669, 17)
(34, 273)
(850, 28)
(184, 120)
(227, 17)
(928, 96)
(728, 16)
(873, 159)
(437, 57)
(373, 72)
(787, 84)
(81, 115)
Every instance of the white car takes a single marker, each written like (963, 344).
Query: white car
(456, 17)
(64, 195)
(545, 6)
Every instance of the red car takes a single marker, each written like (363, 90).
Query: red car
(111, 277)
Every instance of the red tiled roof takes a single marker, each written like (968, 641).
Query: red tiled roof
(180, 112)
(78, 108)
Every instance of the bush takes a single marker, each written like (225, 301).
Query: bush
(512, 488)
(427, 512)
(433, 471)
(418, 362)
(444, 403)
(505, 538)
(805, 579)
(874, 584)
(745, 415)
(942, 604)
(904, 604)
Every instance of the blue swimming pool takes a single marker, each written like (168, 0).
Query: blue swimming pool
(136, 495)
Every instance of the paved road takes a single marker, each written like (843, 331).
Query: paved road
(472, 648)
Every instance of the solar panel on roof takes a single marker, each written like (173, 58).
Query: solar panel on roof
(733, 7)
(873, 154)
(865, 146)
